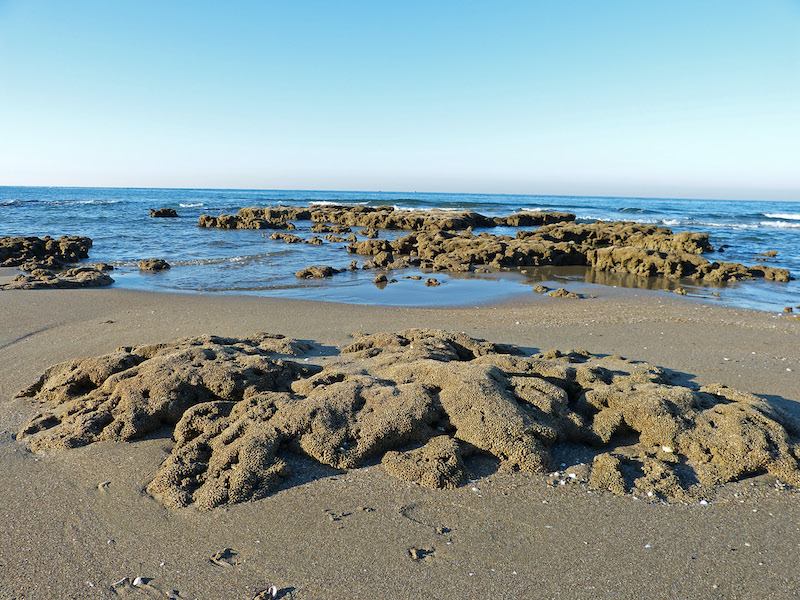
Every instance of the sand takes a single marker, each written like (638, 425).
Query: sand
(76, 521)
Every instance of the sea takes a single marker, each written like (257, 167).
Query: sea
(214, 261)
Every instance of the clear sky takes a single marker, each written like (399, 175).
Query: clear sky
(636, 98)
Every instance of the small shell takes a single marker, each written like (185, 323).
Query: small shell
(138, 582)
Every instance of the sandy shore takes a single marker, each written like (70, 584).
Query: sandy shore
(348, 535)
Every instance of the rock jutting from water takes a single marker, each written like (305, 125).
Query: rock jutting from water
(421, 402)
(153, 264)
(162, 213)
(442, 240)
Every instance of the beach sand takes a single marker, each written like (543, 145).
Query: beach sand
(75, 522)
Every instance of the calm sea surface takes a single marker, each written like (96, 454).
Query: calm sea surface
(245, 262)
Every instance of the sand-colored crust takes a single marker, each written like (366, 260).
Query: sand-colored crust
(418, 400)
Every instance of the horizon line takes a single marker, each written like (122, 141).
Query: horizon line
(233, 189)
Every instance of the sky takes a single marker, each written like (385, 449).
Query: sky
(697, 99)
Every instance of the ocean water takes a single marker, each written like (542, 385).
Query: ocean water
(245, 262)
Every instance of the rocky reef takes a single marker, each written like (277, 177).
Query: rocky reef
(442, 240)
(419, 401)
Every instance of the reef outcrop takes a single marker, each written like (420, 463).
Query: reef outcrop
(419, 401)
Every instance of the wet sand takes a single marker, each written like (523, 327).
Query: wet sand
(362, 533)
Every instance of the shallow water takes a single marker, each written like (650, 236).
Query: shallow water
(245, 262)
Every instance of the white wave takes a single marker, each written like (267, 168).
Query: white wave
(787, 216)
(726, 225)
(425, 208)
(10, 203)
(190, 204)
(781, 224)
(325, 203)
(671, 222)
(96, 202)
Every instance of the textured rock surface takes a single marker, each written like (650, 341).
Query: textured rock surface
(312, 272)
(563, 293)
(445, 241)
(16, 251)
(420, 401)
(47, 260)
(153, 264)
(79, 277)
(340, 219)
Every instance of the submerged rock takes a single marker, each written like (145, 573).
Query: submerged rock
(420, 401)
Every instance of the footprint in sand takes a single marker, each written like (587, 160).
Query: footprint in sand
(422, 554)
(224, 558)
(141, 587)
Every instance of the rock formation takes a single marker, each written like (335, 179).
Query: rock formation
(443, 240)
(163, 213)
(420, 401)
(153, 264)
(47, 262)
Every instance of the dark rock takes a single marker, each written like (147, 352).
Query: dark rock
(534, 218)
(163, 212)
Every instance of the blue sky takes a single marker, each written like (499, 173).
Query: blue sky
(684, 99)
